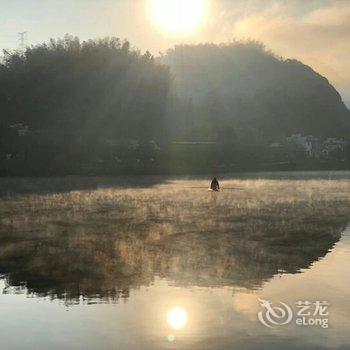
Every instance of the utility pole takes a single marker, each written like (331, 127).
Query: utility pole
(22, 38)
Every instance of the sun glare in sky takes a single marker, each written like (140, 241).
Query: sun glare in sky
(178, 17)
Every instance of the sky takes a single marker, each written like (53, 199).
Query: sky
(317, 32)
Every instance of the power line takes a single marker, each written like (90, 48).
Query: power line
(22, 38)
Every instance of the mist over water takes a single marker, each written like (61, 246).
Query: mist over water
(166, 264)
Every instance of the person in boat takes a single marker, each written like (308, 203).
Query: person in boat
(215, 184)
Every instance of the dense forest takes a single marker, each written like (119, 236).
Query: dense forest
(249, 88)
(102, 107)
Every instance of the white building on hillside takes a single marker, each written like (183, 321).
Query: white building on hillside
(313, 147)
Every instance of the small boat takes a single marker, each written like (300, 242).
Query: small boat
(214, 186)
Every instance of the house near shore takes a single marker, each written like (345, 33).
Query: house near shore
(332, 145)
(315, 148)
(309, 144)
(20, 128)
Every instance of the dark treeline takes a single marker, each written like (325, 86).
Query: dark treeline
(82, 103)
(101, 107)
(246, 99)
(246, 87)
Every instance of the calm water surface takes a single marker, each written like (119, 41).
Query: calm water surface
(186, 290)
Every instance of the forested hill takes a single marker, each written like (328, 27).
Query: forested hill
(100, 106)
(95, 89)
(68, 105)
(249, 88)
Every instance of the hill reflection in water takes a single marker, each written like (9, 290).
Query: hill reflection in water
(100, 244)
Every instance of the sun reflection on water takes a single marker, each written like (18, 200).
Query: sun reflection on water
(177, 317)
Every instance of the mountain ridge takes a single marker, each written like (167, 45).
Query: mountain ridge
(251, 84)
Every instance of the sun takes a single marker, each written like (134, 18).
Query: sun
(178, 16)
(177, 317)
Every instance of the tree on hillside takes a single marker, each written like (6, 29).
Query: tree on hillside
(78, 95)
(253, 89)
